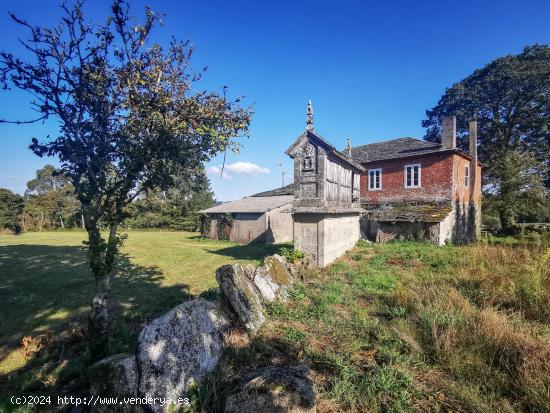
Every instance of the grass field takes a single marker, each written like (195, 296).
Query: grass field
(398, 327)
(45, 286)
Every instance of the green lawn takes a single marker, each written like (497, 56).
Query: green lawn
(45, 284)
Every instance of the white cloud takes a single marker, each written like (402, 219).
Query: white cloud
(238, 168)
(214, 170)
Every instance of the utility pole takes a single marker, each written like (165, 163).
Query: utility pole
(282, 174)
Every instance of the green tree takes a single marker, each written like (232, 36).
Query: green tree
(131, 117)
(51, 198)
(510, 98)
(11, 205)
(176, 207)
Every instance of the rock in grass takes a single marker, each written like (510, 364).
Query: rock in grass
(273, 279)
(115, 376)
(179, 349)
(244, 299)
(275, 390)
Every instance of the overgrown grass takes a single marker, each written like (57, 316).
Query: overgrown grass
(405, 327)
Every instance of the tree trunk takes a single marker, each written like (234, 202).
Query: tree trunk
(82, 220)
(101, 259)
(61, 220)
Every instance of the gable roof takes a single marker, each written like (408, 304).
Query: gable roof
(394, 148)
(251, 204)
(285, 190)
(315, 138)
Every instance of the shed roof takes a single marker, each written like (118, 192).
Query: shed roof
(251, 204)
(285, 190)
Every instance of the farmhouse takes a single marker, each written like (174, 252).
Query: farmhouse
(404, 188)
(417, 190)
(263, 217)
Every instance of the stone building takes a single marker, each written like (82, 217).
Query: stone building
(263, 217)
(326, 206)
(418, 190)
(404, 188)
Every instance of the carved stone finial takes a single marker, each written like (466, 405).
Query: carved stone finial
(309, 118)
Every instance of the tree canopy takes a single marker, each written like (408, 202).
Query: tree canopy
(510, 98)
(50, 198)
(173, 208)
(131, 117)
(11, 205)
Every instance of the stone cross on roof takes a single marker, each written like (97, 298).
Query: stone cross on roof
(309, 118)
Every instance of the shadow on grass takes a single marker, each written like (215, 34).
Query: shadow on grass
(253, 251)
(49, 289)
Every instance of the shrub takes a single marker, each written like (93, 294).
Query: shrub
(224, 226)
(291, 254)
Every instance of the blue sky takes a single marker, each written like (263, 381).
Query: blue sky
(370, 68)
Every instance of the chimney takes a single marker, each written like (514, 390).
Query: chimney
(448, 132)
(348, 149)
(475, 185)
(473, 163)
(473, 138)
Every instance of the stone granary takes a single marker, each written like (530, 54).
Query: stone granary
(326, 208)
(263, 217)
(418, 190)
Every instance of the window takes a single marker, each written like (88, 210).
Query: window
(466, 176)
(375, 179)
(412, 176)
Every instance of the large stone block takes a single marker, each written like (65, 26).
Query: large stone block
(115, 376)
(179, 349)
(244, 299)
(273, 278)
(275, 390)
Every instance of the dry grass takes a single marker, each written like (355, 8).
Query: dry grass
(413, 327)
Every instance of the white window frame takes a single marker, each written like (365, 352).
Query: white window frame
(466, 176)
(412, 166)
(370, 185)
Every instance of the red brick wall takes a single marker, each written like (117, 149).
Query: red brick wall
(461, 192)
(436, 180)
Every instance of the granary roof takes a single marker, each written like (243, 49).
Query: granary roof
(251, 204)
(317, 139)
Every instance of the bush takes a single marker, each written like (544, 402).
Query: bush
(291, 254)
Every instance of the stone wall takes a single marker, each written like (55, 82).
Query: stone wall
(402, 231)
(306, 231)
(326, 236)
(340, 234)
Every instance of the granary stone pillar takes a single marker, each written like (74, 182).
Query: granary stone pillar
(326, 206)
